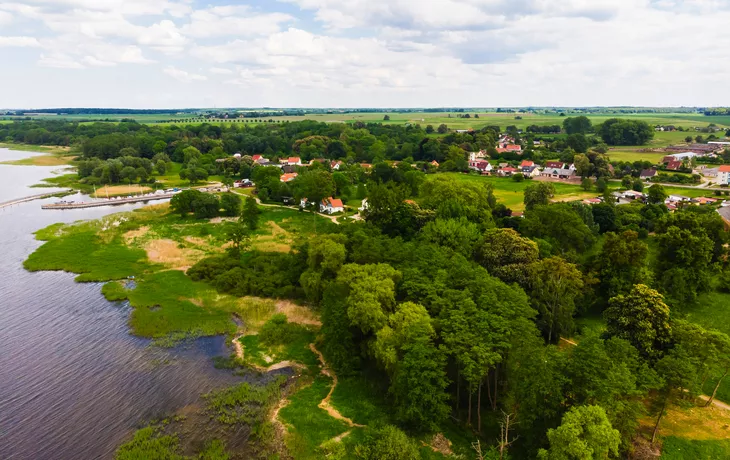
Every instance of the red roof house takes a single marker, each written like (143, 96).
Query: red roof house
(331, 205)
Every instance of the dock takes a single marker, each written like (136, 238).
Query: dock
(40, 196)
(108, 202)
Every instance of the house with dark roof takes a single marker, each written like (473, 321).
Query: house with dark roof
(648, 174)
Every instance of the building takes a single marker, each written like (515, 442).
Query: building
(480, 154)
(674, 165)
(699, 149)
(632, 195)
(257, 157)
(680, 156)
(331, 205)
(505, 148)
(558, 173)
(677, 199)
(532, 171)
(648, 174)
(482, 166)
(294, 161)
(709, 172)
(288, 177)
(336, 165)
(435, 163)
(245, 183)
(555, 165)
(723, 175)
(506, 171)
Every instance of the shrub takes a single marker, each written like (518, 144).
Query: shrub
(277, 330)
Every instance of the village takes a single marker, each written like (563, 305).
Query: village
(684, 159)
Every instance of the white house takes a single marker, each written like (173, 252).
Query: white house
(364, 205)
(677, 199)
(331, 205)
(532, 171)
(723, 175)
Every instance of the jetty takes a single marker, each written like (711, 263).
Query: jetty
(40, 196)
(107, 202)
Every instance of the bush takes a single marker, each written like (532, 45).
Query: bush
(206, 206)
(231, 204)
(388, 443)
(724, 284)
(277, 330)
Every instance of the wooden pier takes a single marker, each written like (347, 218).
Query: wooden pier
(40, 196)
(109, 202)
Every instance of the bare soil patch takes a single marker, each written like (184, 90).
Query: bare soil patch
(297, 314)
(169, 253)
(132, 235)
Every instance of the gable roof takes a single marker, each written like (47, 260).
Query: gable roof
(724, 168)
(526, 163)
(333, 202)
(648, 173)
(293, 160)
(288, 177)
(674, 165)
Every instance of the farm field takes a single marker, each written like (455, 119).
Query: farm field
(685, 120)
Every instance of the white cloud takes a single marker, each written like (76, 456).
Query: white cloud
(21, 42)
(220, 71)
(182, 75)
(92, 61)
(222, 21)
(59, 61)
(370, 52)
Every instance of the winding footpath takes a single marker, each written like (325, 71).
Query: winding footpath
(325, 403)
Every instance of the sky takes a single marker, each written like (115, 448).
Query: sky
(363, 53)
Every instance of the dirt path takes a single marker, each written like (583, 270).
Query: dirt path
(716, 403)
(568, 341)
(325, 403)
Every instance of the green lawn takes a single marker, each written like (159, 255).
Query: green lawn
(684, 449)
(634, 154)
(511, 193)
(310, 426)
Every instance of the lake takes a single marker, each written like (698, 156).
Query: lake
(74, 384)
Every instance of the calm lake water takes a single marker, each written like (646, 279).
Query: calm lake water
(74, 384)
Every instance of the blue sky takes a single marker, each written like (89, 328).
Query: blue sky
(357, 53)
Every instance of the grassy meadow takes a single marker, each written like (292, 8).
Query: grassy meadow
(155, 248)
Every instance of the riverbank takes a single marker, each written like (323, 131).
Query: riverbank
(46, 155)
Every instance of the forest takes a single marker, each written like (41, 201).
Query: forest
(462, 310)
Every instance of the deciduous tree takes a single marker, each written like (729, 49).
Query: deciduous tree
(642, 318)
(584, 434)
